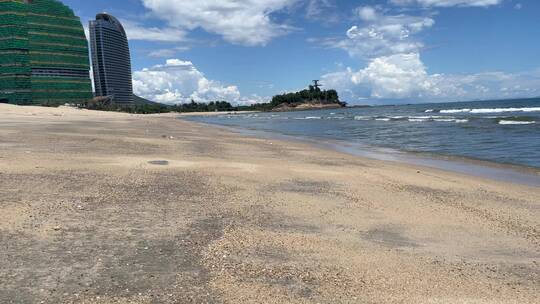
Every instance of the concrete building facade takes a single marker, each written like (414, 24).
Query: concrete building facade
(111, 61)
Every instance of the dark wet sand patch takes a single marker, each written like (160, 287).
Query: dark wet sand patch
(388, 237)
(159, 162)
(304, 187)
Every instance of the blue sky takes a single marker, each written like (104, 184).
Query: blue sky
(372, 52)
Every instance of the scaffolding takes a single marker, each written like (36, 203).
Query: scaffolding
(43, 54)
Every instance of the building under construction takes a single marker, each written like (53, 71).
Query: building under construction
(43, 54)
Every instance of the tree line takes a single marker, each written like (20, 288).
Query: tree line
(311, 95)
(191, 107)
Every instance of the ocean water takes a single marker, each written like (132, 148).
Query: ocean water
(498, 131)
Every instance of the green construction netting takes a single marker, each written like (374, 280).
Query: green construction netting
(71, 86)
(43, 34)
(19, 82)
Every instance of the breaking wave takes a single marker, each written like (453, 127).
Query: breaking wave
(492, 110)
(309, 118)
(431, 118)
(516, 122)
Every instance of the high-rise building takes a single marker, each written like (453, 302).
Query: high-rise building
(110, 59)
(43, 54)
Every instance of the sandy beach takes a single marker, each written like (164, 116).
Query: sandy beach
(102, 207)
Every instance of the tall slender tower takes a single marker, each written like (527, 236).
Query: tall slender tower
(43, 54)
(110, 59)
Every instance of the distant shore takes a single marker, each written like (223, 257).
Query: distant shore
(307, 107)
(106, 207)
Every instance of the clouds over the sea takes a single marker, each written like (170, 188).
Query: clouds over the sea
(179, 81)
(405, 77)
(390, 48)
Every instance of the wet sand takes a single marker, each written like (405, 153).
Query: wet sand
(116, 208)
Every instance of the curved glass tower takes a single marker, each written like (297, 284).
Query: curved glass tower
(110, 59)
(43, 54)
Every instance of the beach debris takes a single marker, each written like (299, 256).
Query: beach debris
(57, 228)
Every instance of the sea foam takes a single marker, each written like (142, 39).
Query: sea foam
(514, 122)
(492, 110)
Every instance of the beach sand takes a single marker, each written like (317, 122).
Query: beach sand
(102, 207)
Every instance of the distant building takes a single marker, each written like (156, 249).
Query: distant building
(43, 54)
(110, 59)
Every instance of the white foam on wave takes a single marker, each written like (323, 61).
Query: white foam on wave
(430, 117)
(451, 120)
(308, 118)
(455, 111)
(514, 122)
(429, 111)
(414, 118)
(491, 110)
(502, 110)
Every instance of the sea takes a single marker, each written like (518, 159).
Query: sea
(502, 131)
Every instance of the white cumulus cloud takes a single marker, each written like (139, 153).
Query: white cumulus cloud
(246, 22)
(179, 81)
(396, 76)
(383, 35)
(405, 77)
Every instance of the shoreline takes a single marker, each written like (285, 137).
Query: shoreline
(100, 207)
(505, 172)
